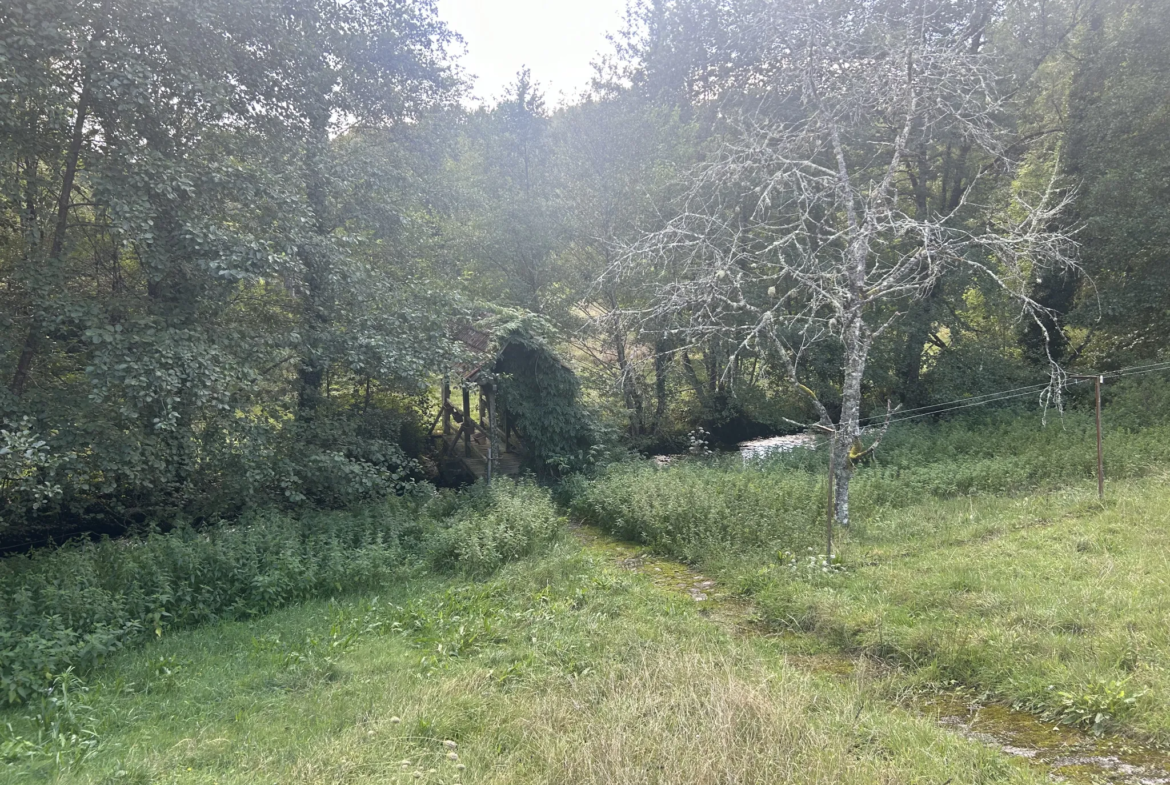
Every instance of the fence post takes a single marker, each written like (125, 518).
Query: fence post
(1100, 456)
(829, 514)
(467, 420)
(491, 429)
(446, 407)
(1098, 379)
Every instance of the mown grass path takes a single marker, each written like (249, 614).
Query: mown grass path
(1063, 752)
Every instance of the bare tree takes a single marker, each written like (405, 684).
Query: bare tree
(801, 226)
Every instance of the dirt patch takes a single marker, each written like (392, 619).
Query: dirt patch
(1070, 755)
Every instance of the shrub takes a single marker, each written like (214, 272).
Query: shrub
(28, 471)
(500, 522)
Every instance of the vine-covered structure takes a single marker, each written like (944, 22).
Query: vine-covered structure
(528, 413)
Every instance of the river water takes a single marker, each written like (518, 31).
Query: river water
(775, 445)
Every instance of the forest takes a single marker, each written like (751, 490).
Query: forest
(235, 238)
(252, 252)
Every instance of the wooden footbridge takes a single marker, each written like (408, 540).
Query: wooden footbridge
(486, 447)
(526, 399)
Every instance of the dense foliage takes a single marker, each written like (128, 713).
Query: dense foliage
(73, 606)
(210, 290)
(541, 393)
(234, 237)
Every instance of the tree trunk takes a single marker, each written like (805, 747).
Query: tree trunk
(662, 358)
(1056, 291)
(693, 378)
(918, 323)
(848, 426)
(32, 338)
(630, 392)
(920, 320)
(711, 361)
(311, 375)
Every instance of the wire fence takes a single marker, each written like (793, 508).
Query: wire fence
(1012, 394)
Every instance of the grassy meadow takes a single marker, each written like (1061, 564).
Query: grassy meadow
(560, 668)
(1052, 602)
(980, 556)
(475, 638)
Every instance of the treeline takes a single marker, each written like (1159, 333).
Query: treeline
(234, 236)
(214, 244)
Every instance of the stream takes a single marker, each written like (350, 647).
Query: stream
(775, 445)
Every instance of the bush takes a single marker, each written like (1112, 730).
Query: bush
(72, 606)
(91, 476)
(499, 523)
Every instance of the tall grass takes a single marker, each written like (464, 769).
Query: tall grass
(71, 607)
(695, 507)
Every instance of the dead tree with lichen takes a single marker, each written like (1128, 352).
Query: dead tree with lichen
(800, 228)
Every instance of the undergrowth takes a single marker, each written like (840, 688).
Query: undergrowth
(71, 607)
(693, 508)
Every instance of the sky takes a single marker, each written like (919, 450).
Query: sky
(556, 39)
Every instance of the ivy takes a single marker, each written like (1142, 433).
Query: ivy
(540, 391)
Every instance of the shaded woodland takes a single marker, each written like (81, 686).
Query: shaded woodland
(235, 238)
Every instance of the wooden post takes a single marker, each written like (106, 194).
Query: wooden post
(829, 515)
(506, 426)
(1098, 379)
(467, 422)
(446, 407)
(1100, 456)
(491, 429)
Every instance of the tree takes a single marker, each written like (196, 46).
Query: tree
(508, 222)
(129, 350)
(196, 195)
(326, 68)
(1117, 147)
(615, 156)
(800, 228)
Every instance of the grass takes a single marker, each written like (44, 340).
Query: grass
(561, 668)
(696, 508)
(72, 607)
(1053, 602)
(980, 557)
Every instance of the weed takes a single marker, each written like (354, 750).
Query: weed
(811, 564)
(1097, 708)
(459, 623)
(75, 606)
(62, 725)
